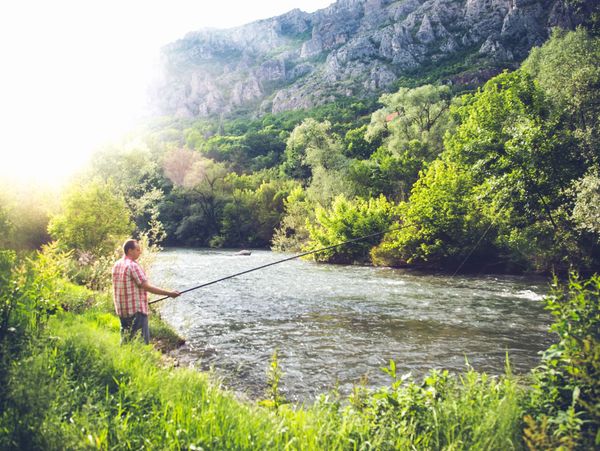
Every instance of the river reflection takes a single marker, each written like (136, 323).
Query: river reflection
(335, 325)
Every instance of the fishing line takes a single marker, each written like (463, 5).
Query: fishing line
(354, 240)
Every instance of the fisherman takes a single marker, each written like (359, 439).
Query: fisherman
(130, 291)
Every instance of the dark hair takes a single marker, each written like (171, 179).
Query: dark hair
(128, 245)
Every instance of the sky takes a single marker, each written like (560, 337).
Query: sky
(74, 74)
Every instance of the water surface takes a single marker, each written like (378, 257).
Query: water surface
(335, 326)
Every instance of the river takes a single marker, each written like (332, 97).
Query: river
(335, 326)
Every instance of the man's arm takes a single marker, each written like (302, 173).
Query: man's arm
(152, 289)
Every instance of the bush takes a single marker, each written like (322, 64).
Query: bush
(565, 405)
(347, 220)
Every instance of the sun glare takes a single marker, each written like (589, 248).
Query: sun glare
(75, 74)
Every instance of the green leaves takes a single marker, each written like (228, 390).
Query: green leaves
(566, 401)
(94, 218)
(348, 219)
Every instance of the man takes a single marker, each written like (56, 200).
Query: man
(130, 291)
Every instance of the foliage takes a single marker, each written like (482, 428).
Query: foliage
(134, 172)
(356, 144)
(306, 137)
(6, 226)
(94, 219)
(586, 213)
(419, 113)
(471, 411)
(78, 388)
(192, 213)
(411, 124)
(30, 291)
(275, 398)
(292, 233)
(589, 11)
(250, 217)
(24, 215)
(315, 156)
(567, 69)
(440, 224)
(347, 220)
(565, 404)
(504, 177)
(251, 151)
(511, 138)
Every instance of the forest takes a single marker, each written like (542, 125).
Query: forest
(502, 179)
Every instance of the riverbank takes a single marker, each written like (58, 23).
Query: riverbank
(77, 388)
(68, 384)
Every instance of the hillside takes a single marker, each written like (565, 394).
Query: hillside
(353, 48)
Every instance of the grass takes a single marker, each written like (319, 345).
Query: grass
(79, 389)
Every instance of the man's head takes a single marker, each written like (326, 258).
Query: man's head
(131, 248)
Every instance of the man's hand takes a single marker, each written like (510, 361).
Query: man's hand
(152, 289)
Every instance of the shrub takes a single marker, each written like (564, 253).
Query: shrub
(564, 408)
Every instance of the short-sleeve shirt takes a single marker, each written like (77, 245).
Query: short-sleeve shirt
(129, 296)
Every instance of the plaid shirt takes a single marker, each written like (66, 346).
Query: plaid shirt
(129, 296)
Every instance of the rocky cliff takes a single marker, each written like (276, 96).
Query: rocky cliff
(351, 48)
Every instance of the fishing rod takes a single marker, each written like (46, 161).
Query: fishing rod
(354, 240)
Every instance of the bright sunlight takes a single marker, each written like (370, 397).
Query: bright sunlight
(75, 74)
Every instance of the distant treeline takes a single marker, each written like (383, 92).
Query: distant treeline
(502, 179)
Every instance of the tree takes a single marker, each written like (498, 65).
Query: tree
(411, 125)
(309, 136)
(315, 155)
(346, 220)
(357, 146)
(586, 212)
(134, 172)
(94, 218)
(441, 223)
(292, 233)
(567, 69)
(251, 216)
(192, 212)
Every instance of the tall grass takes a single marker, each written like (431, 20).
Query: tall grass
(80, 389)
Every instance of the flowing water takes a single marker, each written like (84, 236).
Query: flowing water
(336, 326)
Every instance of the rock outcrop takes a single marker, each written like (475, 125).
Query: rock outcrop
(351, 48)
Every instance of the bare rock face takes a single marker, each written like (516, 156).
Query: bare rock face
(351, 48)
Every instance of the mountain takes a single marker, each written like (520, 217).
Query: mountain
(353, 48)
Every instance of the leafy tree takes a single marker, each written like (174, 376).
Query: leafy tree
(357, 146)
(408, 114)
(346, 220)
(251, 216)
(441, 223)
(177, 164)
(315, 155)
(292, 233)
(94, 218)
(310, 135)
(24, 214)
(411, 125)
(586, 212)
(589, 11)
(265, 149)
(512, 141)
(567, 69)
(192, 213)
(383, 173)
(136, 173)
